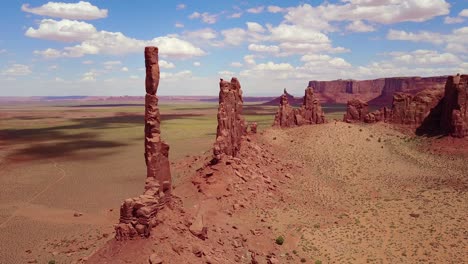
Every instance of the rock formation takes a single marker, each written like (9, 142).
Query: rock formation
(231, 124)
(311, 110)
(454, 116)
(294, 101)
(382, 114)
(253, 127)
(137, 215)
(285, 116)
(356, 110)
(309, 113)
(375, 92)
(413, 110)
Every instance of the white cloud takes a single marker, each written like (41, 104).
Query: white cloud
(463, 13)
(17, 70)
(197, 64)
(81, 10)
(181, 6)
(235, 15)
(255, 27)
(236, 64)
(89, 76)
(179, 25)
(271, 66)
(249, 59)
(256, 10)
(58, 79)
(3, 51)
(205, 17)
(48, 53)
(124, 69)
(63, 30)
(453, 20)
(168, 76)
(359, 26)
(110, 65)
(53, 67)
(264, 48)
(87, 62)
(455, 42)
(425, 57)
(422, 36)
(134, 77)
(166, 65)
(275, 9)
(234, 36)
(104, 42)
(202, 34)
(226, 73)
(381, 11)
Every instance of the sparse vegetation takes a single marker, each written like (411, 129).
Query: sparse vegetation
(279, 240)
(318, 262)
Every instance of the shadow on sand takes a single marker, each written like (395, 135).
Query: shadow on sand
(63, 140)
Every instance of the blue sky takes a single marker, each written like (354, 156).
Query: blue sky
(96, 47)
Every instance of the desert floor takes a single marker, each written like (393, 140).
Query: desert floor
(337, 193)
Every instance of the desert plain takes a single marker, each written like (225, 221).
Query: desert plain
(336, 192)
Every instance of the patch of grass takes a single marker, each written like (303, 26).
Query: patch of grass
(317, 226)
(303, 260)
(279, 240)
(318, 262)
(51, 262)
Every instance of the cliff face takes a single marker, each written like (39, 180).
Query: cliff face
(376, 92)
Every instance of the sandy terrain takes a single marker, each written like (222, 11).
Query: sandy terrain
(337, 193)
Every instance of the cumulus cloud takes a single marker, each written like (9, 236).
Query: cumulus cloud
(124, 69)
(454, 42)
(166, 65)
(255, 27)
(63, 30)
(89, 76)
(275, 9)
(453, 20)
(463, 13)
(196, 64)
(263, 48)
(81, 10)
(256, 10)
(179, 25)
(202, 34)
(382, 11)
(234, 36)
(205, 17)
(104, 42)
(359, 26)
(17, 70)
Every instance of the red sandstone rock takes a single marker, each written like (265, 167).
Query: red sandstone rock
(382, 114)
(311, 110)
(137, 215)
(413, 110)
(356, 110)
(375, 92)
(454, 116)
(285, 117)
(231, 124)
(253, 127)
(309, 113)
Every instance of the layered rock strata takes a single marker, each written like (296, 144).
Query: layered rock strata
(309, 113)
(138, 214)
(231, 124)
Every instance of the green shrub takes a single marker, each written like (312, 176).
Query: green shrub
(280, 240)
(318, 262)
